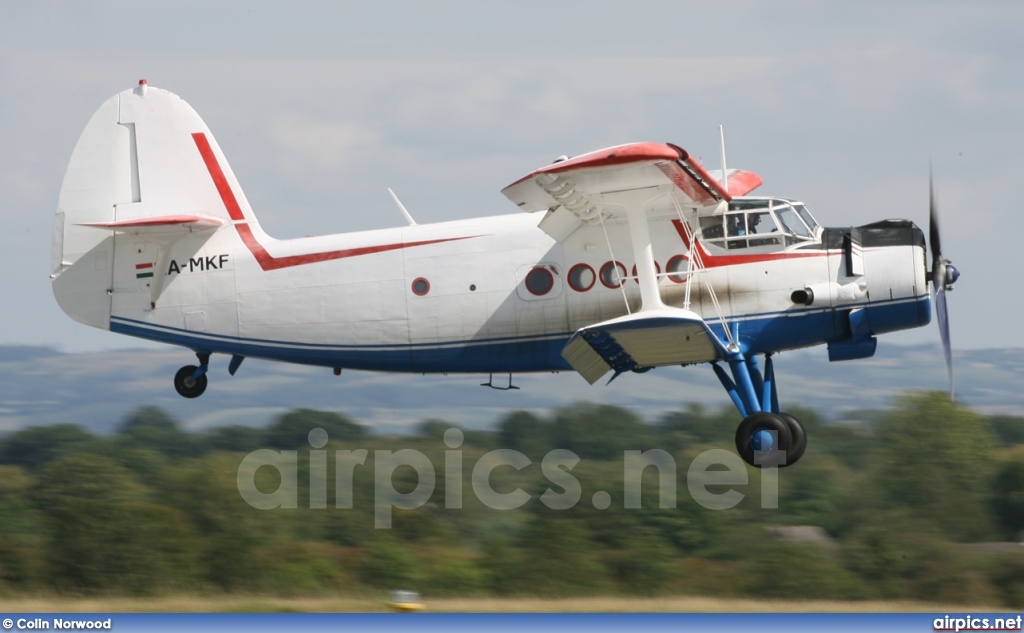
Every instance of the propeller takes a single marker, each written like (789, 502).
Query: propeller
(943, 276)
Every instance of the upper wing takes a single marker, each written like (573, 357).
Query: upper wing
(574, 191)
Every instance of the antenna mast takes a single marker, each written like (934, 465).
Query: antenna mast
(725, 174)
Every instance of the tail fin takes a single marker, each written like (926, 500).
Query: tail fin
(139, 172)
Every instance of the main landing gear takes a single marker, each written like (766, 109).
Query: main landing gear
(766, 437)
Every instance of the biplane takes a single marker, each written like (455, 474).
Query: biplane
(618, 261)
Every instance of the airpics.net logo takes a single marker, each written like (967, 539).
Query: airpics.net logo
(969, 622)
(711, 478)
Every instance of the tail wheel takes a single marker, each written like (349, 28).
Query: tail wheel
(187, 385)
(799, 445)
(764, 439)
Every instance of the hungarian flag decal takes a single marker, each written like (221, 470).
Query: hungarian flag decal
(143, 271)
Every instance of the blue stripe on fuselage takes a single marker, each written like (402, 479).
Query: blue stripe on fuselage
(759, 333)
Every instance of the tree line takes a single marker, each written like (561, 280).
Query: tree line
(912, 503)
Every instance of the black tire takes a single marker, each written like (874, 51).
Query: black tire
(767, 422)
(799, 445)
(186, 386)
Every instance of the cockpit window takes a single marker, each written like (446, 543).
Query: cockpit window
(743, 228)
(754, 222)
(736, 224)
(805, 215)
(792, 222)
(711, 227)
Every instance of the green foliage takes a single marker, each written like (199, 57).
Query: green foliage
(501, 563)
(812, 492)
(796, 572)
(696, 426)
(646, 565)
(601, 431)
(935, 458)
(1009, 428)
(22, 531)
(301, 568)
(148, 465)
(84, 482)
(36, 446)
(243, 439)
(556, 558)
(155, 509)
(1008, 493)
(525, 432)
(291, 430)
(433, 429)
(899, 556)
(151, 428)
(1007, 576)
(388, 564)
(106, 536)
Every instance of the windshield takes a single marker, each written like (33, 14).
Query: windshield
(792, 222)
(805, 215)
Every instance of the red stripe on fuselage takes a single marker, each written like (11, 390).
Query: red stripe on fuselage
(263, 257)
(715, 261)
(223, 188)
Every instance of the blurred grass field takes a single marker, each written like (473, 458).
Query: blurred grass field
(612, 604)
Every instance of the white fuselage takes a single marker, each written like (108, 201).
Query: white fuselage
(154, 238)
(458, 299)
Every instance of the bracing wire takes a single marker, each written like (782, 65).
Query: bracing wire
(615, 263)
(696, 267)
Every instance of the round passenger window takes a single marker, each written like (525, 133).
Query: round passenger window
(613, 274)
(581, 277)
(420, 286)
(677, 268)
(539, 281)
(657, 271)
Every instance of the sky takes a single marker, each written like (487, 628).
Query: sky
(320, 106)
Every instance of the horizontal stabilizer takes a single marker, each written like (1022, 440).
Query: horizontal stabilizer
(160, 224)
(652, 338)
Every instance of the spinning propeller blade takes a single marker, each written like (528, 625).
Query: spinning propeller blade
(943, 276)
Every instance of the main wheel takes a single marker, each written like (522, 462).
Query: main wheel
(799, 445)
(763, 439)
(187, 385)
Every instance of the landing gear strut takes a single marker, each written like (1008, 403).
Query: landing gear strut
(190, 381)
(766, 437)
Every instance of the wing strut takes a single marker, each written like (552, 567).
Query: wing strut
(657, 334)
(637, 202)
